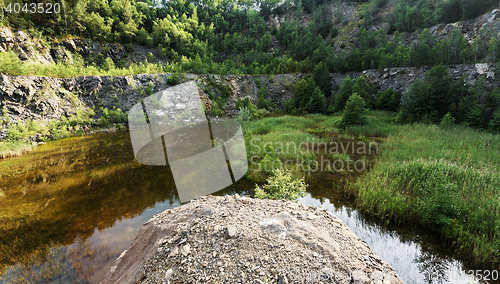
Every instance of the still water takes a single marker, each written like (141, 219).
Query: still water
(69, 208)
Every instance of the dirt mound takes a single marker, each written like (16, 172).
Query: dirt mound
(235, 239)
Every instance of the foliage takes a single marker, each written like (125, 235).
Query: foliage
(243, 115)
(447, 121)
(280, 185)
(317, 102)
(495, 123)
(387, 100)
(307, 97)
(354, 112)
(426, 178)
(173, 79)
(346, 90)
(10, 63)
(430, 99)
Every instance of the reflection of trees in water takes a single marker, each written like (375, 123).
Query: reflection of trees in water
(92, 183)
(71, 264)
(434, 268)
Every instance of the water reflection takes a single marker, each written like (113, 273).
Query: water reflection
(71, 207)
(78, 188)
(401, 247)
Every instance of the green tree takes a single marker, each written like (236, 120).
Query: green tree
(281, 185)
(430, 99)
(322, 78)
(317, 102)
(387, 100)
(495, 123)
(354, 112)
(346, 90)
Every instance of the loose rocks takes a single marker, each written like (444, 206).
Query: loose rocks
(235, 239)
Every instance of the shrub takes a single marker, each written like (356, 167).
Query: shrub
(10, 63)
(317, 102)
(108, 64)
(345, 92)
(243, 116)
(242, 103)
(280, 185)
(216, 110)
(430, 99)
(387, 100)
(495, 123)
(151, 57)
(354, 112)
(173, 79)
(447, 121)
(263, 103)
(365, 89)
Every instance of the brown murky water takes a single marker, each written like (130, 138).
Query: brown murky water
(70, 208)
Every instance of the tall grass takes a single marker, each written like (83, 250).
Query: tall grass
(445, 179)
(13, 148)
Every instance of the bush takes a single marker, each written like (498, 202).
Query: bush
(173, 79)
(430, 99)
(317, 102)
(345, 92)
(243, 116)
(387, 100)
(263, 103)
(354, 112)
(108, 64)
(280, 185)
(216, 110)
(447, 121)
(495, 123)
(242, 103)
(9, 63)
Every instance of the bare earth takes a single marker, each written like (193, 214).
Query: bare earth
(233, 239)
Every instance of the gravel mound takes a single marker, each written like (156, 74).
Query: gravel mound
(235, 239)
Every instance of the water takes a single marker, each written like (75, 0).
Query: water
(72, 206)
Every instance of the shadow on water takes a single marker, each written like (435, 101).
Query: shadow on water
(70, 207)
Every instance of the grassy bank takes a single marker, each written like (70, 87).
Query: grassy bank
(445, 179)
(13, 148)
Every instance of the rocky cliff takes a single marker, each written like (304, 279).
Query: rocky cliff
(43, 98)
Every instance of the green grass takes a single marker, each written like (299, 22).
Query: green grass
(13, 148)
(445, 179)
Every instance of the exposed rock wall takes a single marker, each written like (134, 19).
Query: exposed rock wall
(43, 98)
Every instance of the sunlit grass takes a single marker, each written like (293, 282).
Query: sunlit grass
(13, 148)
(445, 179)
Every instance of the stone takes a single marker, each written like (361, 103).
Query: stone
(231, 232)
(6, 35)
(186, 249)
(180, 106)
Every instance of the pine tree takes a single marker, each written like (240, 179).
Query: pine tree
(317, 102)
(344, 93)
(354, 112)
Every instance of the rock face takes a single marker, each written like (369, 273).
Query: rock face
(43, 98)
(235, 239)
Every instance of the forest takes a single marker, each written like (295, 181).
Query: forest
(234, 37)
